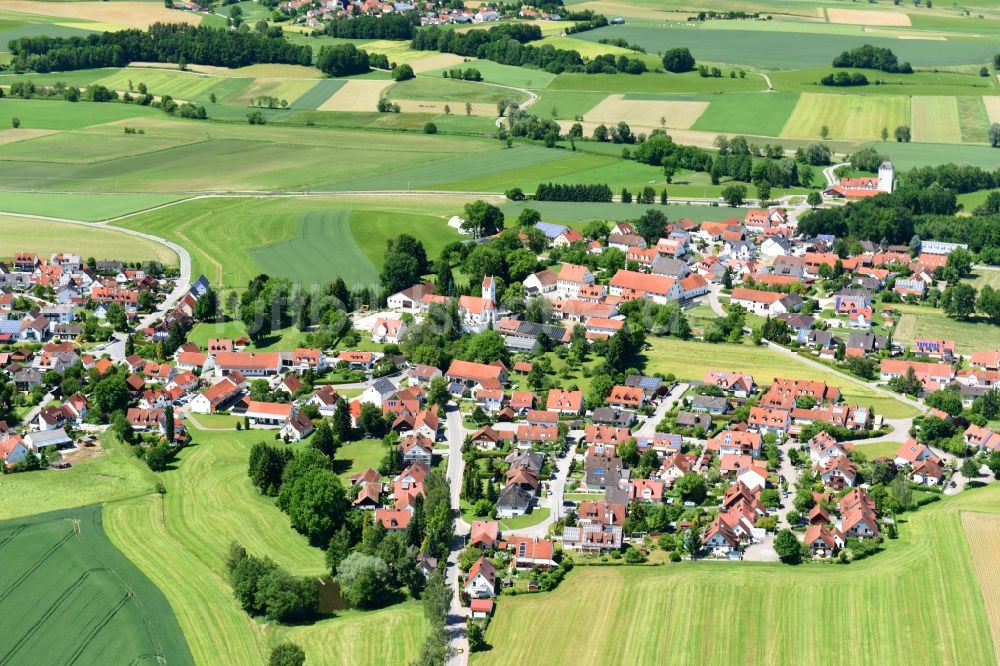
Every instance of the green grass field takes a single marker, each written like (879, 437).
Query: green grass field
(52, 114)
(716, 42)
(690, 359)
(233, 239)
(973, 119)
(748, 114)
(577, 214)
(451, 90)
(909, 155)
(919, 603)
(321, 91)
(73, 597)
(567, 103)
(508, 75)
(86, 207)
(112, 475)
(187, 86)
(179, 540)
(846, 116)
(935, 119)
(283, 339)
(921, 82)
(923, 322)
(46, 238)
(659, 82)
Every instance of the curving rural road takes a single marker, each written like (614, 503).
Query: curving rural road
(116, 348)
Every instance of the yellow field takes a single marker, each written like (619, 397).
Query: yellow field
(847, 116)
(438, 61)
(646, 113)
(862, 17)
(983, 532)
(935, 119)
(357, 95)
(286, 89)
(122, 14)
(15, 135)
(992, 103)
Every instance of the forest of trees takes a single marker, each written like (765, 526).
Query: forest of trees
(872, 57)
(506, 44)
(561, 192)
(391, 26)
(161, 43)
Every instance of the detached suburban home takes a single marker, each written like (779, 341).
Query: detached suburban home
(823, 541)
(417, 449)
(766, 303)
(395, 521)
(514, 501)
(388, 330)
(565, 402)
(381, 390)
(928, 472)
(719, 539)
(217, 397)
(297, 428)
(268, 414)
(13, 450)
(912, 452)
(481, 582)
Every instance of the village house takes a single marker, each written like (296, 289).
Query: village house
(481, 580)
(766, 303)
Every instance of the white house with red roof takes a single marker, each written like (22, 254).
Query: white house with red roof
(631, 285)
(388, 330)
(565, 402)
(571, 278)
(479, 312)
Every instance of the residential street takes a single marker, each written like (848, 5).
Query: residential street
(649, 426)
(456, 466)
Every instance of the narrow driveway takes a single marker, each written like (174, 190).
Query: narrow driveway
(649, 425)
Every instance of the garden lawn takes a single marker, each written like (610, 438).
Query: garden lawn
(925, 322)
(285, 339)
(46, 237)
(747, 612)
(688, 359)
(86, 207)
(355, 457)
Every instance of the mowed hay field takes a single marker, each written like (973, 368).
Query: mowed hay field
(186, 86)
(46, 237)
(916, 604)
(847, 116)
(688, 359)
(70, 597)
(289, 90)
(180, 539)
(356, 95)
(983, 532)
(638, 112)
(863, 17)
(992, 103)
(935, 119)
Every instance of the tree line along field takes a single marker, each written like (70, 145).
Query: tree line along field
(919, 603)
(71, 597)
(179, 540)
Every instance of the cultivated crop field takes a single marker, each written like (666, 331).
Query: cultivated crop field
(187, 86)
(86, 207)
(935, 119)
(690, 359)
(748, 114)
(846, 116)
(47, 237)
(716, 612)
(310, 240)
(72, 597)
(983, 532)
(646, 113)
(356, 95)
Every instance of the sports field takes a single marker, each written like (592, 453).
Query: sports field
(70, 597)
(935, 119)
(690, 359)
(46, 238)
(846, 116)
(932, 323)
(919, 603)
